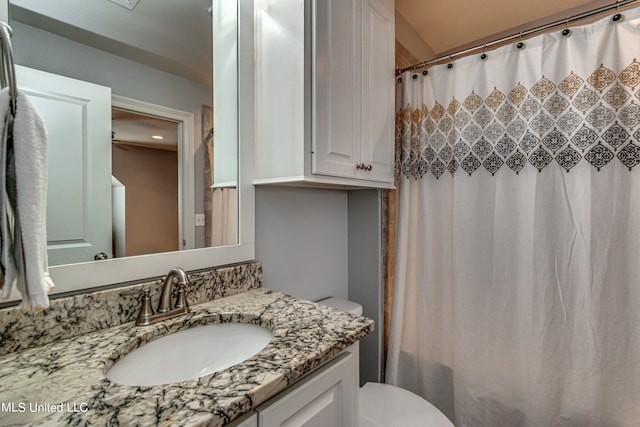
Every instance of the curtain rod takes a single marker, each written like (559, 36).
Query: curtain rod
(503, 40)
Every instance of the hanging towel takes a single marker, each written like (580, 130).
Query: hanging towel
(24, 163)
(7, 263)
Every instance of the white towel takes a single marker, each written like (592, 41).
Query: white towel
(26, 193)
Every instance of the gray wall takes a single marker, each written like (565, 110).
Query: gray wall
(318, 243)
(48, 52)
(365, 275)
(301, 240)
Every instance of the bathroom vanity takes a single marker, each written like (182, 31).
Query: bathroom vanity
(327, 397)
(308, 369)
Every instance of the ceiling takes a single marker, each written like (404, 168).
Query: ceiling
(175, 35)
(172, 35)
(447, 26)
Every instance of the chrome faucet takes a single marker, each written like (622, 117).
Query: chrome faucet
(165, 310)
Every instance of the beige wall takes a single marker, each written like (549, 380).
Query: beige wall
(150, 178)
(502, 24)
(404, 58)
(413, 45)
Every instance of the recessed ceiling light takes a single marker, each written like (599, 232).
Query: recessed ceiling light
(129, 4)
(157, 137)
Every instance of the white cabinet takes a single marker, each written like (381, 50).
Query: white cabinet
(326, 398)
(378, 93)
(247, 420)
(324, 92)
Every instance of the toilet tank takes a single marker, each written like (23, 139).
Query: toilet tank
(343, 305)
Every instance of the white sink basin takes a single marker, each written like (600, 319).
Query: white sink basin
(190, 354)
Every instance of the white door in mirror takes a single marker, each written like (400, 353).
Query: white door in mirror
(77, 116)
(190, 354)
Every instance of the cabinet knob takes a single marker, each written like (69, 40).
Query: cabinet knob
(360, 166)
(368, 168)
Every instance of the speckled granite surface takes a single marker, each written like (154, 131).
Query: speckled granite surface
(86, 313)
(71, 371)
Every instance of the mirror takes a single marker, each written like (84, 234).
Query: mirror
(161, 67)
(129, 48)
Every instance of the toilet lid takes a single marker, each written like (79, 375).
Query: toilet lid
(383, 405)
(343, 305)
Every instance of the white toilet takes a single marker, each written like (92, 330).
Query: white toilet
(383, 405)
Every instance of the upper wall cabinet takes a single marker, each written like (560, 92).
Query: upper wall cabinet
(325, 92)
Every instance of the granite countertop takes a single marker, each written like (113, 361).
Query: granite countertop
(67, 378)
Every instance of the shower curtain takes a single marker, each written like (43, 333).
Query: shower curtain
(517, 292)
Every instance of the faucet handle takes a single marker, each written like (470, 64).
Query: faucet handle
(181, 299)
(145, 309)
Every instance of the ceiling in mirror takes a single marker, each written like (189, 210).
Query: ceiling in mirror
(128, 127)
(157, 33)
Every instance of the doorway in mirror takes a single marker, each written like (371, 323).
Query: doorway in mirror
(145, 193)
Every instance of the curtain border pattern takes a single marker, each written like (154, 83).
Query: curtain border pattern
(593, 118)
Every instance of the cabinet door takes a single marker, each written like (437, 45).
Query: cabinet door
(247, 420)
(335, 88)
(326, 398)
(378, 57)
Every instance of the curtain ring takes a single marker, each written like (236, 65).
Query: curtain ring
(450, 65)
(484, 56)
(520, 45)
(566, 32)
(618, 17)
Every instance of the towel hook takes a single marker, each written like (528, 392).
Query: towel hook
(8, 67)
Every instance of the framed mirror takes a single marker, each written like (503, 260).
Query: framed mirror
(163, 67)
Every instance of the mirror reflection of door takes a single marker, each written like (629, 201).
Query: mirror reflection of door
(76, 115)
(145, 184)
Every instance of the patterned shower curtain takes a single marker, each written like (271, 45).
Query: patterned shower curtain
(517, 292)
